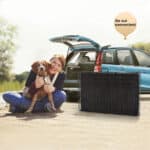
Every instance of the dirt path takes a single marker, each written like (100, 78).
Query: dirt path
(75, 130)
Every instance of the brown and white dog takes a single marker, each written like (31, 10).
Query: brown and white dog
(41, 69)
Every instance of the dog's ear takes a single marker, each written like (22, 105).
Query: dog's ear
(35, 66)
(48, 65)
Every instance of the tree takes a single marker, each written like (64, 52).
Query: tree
(142, 45)
(21, 77)
(8, 34)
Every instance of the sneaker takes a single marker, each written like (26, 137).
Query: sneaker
(12, 109)
(48, 108)
(58, 110)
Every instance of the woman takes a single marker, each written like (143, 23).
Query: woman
(19, 103)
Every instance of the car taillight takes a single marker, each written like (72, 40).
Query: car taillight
(98, 63)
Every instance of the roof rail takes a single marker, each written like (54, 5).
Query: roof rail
(105, 47)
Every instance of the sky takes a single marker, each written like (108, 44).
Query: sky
(39, 20)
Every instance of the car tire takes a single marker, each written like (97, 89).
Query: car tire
(73, 96)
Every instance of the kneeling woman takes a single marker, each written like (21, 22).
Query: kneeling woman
(19, 103)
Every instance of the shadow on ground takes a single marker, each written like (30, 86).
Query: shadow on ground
(28, 117)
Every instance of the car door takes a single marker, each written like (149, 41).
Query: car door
(143, 60)
(129, 61)
(137, 62)
(110, 61)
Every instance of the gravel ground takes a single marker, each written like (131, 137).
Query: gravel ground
(75, 130)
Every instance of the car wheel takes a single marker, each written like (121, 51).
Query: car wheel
(73, 96)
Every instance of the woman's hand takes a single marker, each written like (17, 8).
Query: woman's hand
(39, 82)
(49, 88)
(25, 91)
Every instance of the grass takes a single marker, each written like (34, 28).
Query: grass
(11, 86)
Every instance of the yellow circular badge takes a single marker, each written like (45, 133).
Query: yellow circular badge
(125, 23)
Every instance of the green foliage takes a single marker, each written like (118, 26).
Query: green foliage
(11, 86)
(21, 77)
(7, 48)
(142, 45)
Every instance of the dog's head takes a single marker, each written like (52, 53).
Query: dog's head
(41, 67)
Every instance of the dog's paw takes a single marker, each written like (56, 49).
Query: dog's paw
(53, 109)
(28, 112)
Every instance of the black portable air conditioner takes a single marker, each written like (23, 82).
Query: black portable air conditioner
(116, 93)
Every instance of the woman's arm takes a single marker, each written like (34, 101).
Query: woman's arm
(58, 85)
(39, 82)
(31, 78)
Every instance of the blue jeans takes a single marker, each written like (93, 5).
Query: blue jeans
(21, 103)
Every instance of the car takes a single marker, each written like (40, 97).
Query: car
(87, 55)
